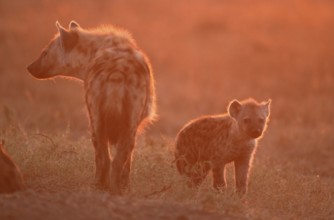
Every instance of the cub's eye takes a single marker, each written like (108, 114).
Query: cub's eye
(246, 120)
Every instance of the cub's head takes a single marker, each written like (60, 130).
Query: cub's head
(251, 116)
(55, 58)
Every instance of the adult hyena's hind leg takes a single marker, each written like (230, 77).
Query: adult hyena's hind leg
(102, 161)
(100, 140)
(125, 172)
(121, 165)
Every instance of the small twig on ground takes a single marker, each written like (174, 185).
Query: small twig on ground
(164, 189)
(47, 137)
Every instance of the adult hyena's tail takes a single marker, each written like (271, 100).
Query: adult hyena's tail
(116, 119)
(114, 124)
(149, 112)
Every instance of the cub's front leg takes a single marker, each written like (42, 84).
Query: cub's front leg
(241, 167)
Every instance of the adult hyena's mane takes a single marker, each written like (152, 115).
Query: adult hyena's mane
(119, 36)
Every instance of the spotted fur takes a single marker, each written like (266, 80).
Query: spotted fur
(210, 142)
(119, 91)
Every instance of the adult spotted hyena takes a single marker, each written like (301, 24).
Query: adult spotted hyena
(210, 142)
(10, 176)
(119, 91)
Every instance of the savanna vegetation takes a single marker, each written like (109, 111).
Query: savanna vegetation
(204, 54)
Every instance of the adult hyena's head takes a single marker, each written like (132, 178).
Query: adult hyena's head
(56, 58)
(251, 116)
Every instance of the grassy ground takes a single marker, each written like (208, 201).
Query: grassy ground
(204, 54)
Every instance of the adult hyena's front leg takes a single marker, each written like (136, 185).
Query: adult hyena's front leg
(102, 161)
(121, 165)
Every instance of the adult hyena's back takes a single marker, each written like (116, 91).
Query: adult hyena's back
(119, 93)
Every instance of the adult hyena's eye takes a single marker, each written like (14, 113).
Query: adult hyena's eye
(44, 53)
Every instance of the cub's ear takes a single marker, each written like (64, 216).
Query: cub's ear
(234, 108)
(68, 39)
(73, 25)
(266, 107)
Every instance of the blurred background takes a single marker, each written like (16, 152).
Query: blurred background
(204, 53)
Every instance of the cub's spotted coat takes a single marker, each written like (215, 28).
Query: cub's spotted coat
(210, 142)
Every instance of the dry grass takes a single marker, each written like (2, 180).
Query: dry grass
(57, 164)
(203, 55)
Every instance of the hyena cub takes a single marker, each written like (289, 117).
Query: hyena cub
(210, 142)
(10, 176)
(119, 92)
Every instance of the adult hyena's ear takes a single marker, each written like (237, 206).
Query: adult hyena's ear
(68, 38)
(73, 25)
(234, 108)
(266, 107)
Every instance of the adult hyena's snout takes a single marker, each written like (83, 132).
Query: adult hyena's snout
(37, 70)
(32, 68)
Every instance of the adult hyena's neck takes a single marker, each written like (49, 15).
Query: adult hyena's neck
(92, 46)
